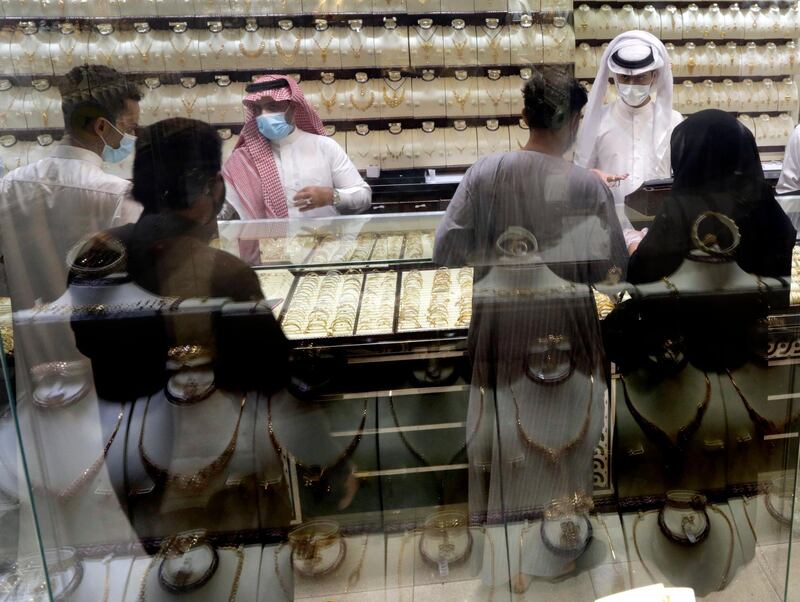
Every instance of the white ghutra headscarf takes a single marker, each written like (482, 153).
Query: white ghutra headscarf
(611, 63)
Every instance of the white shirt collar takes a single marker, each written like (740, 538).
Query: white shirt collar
(67, 151)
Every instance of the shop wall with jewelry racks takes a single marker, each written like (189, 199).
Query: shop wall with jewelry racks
(401, 85)
(737, 57)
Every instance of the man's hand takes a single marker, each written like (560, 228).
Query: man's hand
(313, 197)
(610, 179)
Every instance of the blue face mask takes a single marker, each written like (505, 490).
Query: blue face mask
(122, 152)
(273, 126)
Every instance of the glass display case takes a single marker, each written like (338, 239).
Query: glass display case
(379, 426)
(382, 467)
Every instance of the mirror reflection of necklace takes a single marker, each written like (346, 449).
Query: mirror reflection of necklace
(677, 444)
(554, 454)
(193, 482)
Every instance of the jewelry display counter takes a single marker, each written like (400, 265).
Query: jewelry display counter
(359, 477)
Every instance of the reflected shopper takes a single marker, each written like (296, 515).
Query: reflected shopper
(177, 180)
(535, 188)
(716, 168)
(534, 226)
(284, 165)
(48, 206)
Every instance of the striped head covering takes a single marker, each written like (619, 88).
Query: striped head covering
(251, 168)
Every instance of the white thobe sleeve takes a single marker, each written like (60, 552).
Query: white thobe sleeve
(354, 192)
(790, 174)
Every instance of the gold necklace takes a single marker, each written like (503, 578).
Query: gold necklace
(44, 112)
(356, 51)
(189, 106)
(197, 481)
(426, 43)
(394, 99)
(9, 108)
(324, 48)
(181, 53)
(461, 99)
(396, 155)
(314, 475)
(70, 52)
(90, 472)
(252, 54)
(144, 54)
(328, 102)
(494, 41)
(459, 47)
(288, 57)
(365, 106)
(106, 58)
(496, 100)
(553, 454)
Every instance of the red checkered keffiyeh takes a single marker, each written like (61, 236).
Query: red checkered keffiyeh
(251, 168)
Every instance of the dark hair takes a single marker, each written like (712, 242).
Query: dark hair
(174, 160)
(93, 91)
(552, 97)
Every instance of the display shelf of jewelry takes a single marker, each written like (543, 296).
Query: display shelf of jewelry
(307, 250)
(323, 305)
(377, 304)
(276, 285)
(435, 299)
(292, 250)
(301, 19)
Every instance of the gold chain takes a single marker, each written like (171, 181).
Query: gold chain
(460, 47)
(461, 99)
(426, 43)
(496, 100)
(181, 53)
(357, 51)
(144, 54)
(252, 54)
(494, 42)
(328, 102)
(324, 48)
(394, 99)
(365, 106)
(288, 57)
(189, 106)
(397, 155)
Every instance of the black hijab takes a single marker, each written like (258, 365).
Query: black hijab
(716, 167)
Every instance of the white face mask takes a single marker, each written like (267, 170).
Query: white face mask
(633, 95)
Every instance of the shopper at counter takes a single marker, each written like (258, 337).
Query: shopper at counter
(535, 188)
(177, 180)
(627, 142)
(48, 206)
(716, 167)
(283, 164)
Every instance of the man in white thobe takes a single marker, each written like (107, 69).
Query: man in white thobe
(627, 142)
(48, 206)
(283, 165)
